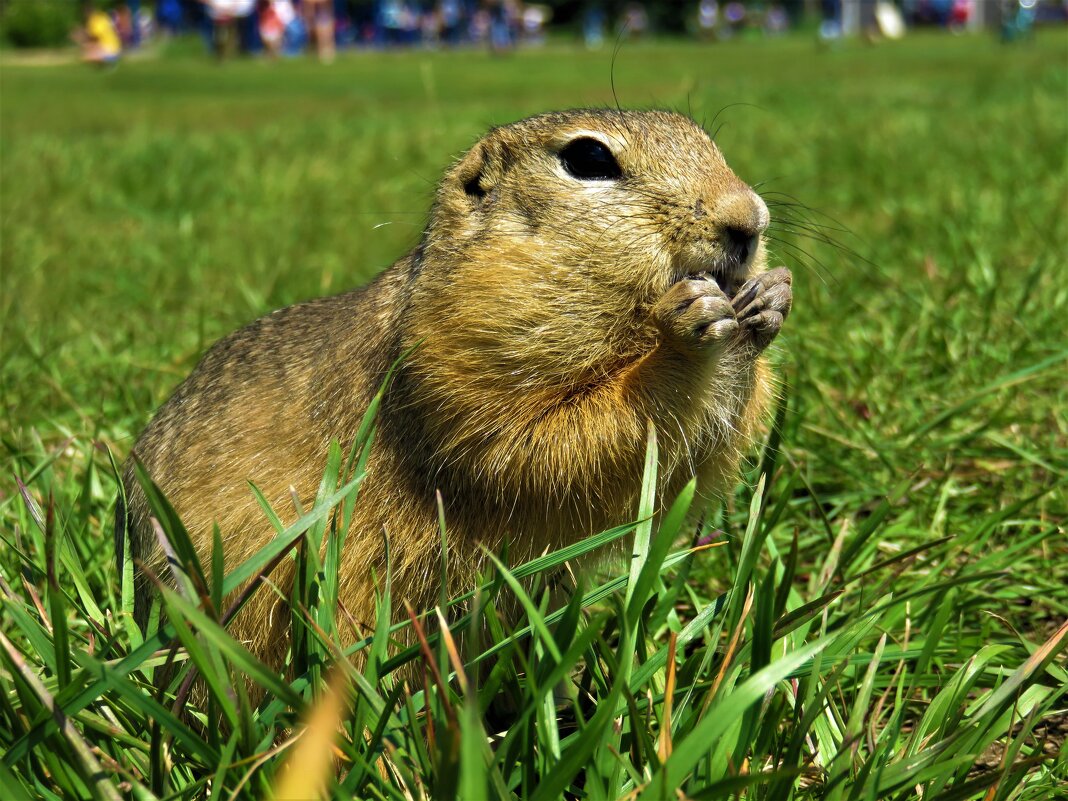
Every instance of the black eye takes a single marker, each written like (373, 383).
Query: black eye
(590, 160)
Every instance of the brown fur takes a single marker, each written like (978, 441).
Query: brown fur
(555, 320)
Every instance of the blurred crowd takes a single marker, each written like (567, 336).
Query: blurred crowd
(291, 27)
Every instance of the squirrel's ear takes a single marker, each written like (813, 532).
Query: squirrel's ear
(479, 172)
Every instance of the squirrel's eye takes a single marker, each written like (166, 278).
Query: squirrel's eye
(590, 160)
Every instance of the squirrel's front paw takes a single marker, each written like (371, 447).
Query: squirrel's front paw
(762, 305)
(694, 316)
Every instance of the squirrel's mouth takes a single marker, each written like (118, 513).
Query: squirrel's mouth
(728, 280)
(728, 270)
(728, 274)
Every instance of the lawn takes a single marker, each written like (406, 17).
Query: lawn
(905, 552)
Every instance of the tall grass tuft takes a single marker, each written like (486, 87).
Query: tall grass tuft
(625, 683)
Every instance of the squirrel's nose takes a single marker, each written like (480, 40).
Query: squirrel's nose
(739, 243)
(741, 218)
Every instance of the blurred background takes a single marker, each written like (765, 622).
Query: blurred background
(107, 29)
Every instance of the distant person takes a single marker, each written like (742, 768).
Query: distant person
(319, 19)
(451, 14)
(1017, 19)
(430, 28)
(943, 11)
(275, 17)
(478, 30)
(831, 23)
(735, 16)
(133, 10)
(144, 25)
(707, 19)
(534, 18)
(390, 21)
(776, 20)
(99, 41)
(890, 21)
(170, 17)
(959, 14)
(295, 39)
(225, 16)
(593, 24)
(123, 21)
(410, 23)
(502, 18)
(635, 20)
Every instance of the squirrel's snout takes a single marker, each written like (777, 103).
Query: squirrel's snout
(741, 218)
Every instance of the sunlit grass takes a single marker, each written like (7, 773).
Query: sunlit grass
(883, 613)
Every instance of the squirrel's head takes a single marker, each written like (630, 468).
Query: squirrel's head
(630, 200)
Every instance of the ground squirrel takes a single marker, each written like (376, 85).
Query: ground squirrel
(582, 273)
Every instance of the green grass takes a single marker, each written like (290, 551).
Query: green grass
(885, 618)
